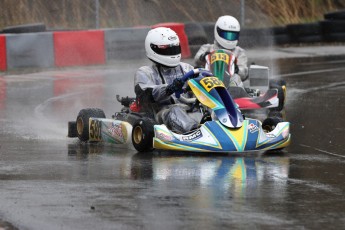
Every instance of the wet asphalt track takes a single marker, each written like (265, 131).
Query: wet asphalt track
(50, 182)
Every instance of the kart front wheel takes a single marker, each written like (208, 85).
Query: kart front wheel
(270, 123)
(281, 97)
(72, 129)
(142, 134)
(83, 121)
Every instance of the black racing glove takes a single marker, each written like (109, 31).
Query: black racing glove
(175, 86)
(202, 57)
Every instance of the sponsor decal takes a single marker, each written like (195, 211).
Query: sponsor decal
(193, 136)
(116, 130)
(172, 38)
(253, 128)
(164, 137)
(270, 135)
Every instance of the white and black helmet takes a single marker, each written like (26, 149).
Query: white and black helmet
(227, 31)
(162, 45)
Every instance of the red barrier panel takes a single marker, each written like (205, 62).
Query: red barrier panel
(79, 48)
(3, 63)
(179, 29)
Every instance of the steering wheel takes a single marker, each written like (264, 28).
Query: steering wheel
(193, 74)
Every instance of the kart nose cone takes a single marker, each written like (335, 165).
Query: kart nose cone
(286, 132)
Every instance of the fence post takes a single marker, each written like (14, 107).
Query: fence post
(242, 12)
(97, 13)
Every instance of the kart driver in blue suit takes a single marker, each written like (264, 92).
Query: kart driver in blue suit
(226, 34)
(155, 85)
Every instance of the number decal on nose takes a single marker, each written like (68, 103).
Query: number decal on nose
(211, 82)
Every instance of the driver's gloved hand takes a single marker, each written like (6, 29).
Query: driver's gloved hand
(202, 57)
(205, 72)
(175, 86)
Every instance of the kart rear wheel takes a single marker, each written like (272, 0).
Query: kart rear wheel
(82, 121)
(72, 129)
(281, 97)
(270, 123)
(142, 134)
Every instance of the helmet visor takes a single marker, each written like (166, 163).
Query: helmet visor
(228, 35)
(168, 50)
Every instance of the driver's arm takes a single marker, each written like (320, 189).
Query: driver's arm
(242, 63)
(199, 57)
(145, 85)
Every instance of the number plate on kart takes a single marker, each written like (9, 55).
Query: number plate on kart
(211, 82)
(220, 57)
(95, 130)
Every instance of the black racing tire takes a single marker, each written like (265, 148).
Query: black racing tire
(309, 31)
(72, 129)
(310, 39)
(82, 121)
(27, 28)
(337, 15)
(256, 37)
(259, 41)
(271, 123)
(279, 30)
(304, 29)
(335, 37)
(281, 39)
(331, 26)
(142, 134)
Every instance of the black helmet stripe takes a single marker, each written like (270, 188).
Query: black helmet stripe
(166, 49)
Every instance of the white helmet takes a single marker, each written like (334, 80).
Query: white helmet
(162, 45)
(227, 31)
